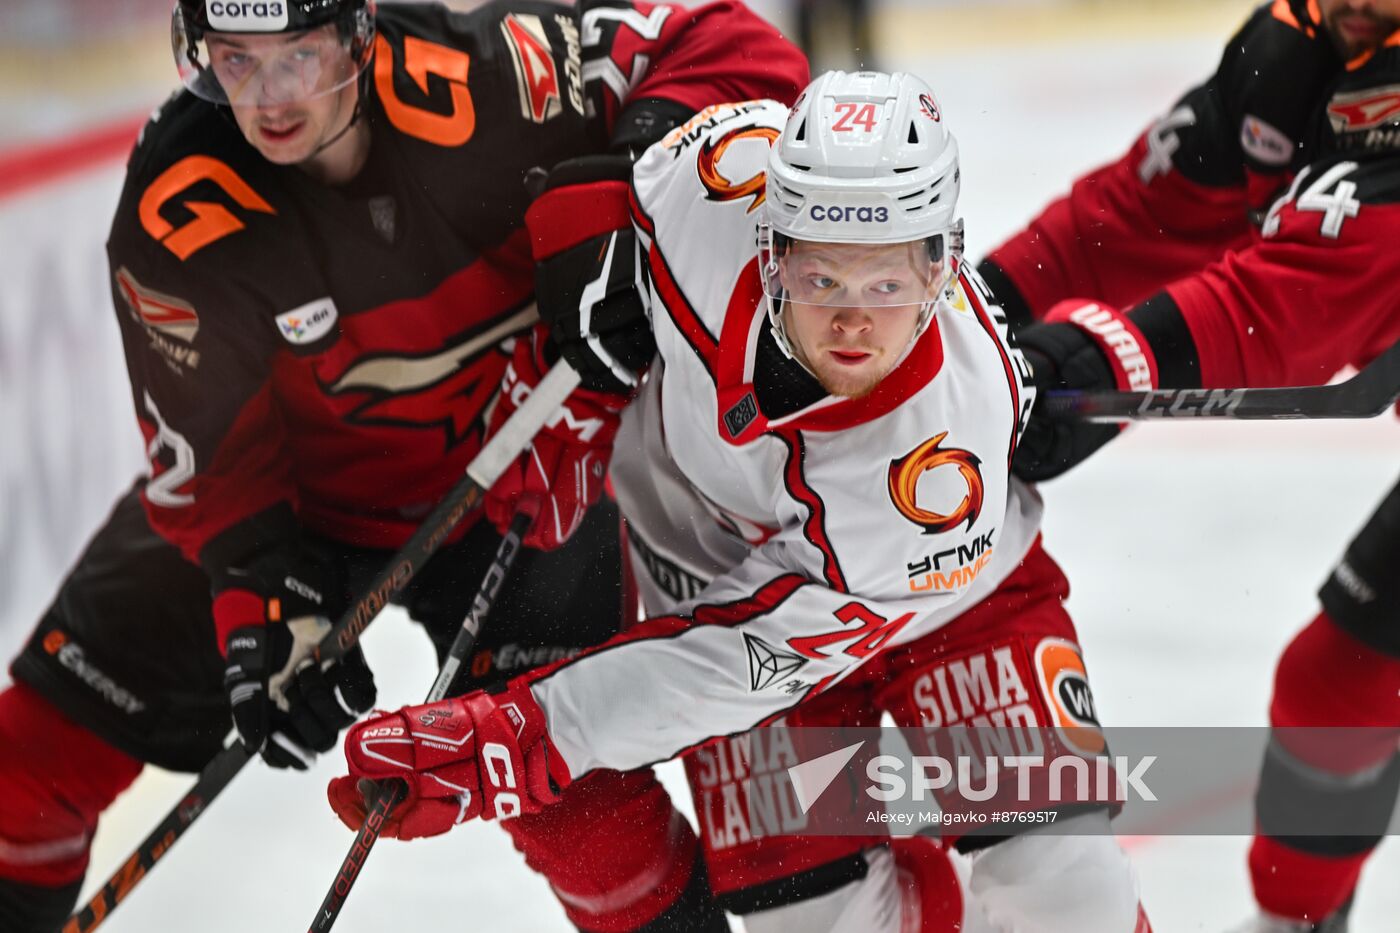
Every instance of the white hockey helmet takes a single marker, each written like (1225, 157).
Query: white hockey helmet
(863, 158)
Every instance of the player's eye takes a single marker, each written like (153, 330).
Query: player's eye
(233, 60)
(888, 287)
(821, 281)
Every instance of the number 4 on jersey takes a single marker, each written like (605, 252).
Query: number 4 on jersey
(1331, 194)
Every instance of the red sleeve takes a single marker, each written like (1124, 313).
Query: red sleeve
(1124, 231)
(1318, 292)
(199, 354)
(715, 53)
(189, 502)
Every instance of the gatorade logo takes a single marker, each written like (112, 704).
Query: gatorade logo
(247, 16)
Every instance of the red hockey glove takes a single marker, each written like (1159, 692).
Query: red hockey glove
(588, 275)
(563, 471)
(480, 755)
(1081, 345)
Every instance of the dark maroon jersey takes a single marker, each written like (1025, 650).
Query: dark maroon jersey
(1194, 185)
(332, 349)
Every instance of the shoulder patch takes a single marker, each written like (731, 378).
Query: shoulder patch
(718, 186)
(708, 119)
(1351, 111)
(212, 220)
(165, 313)
(1264, 142)
(536, 75)
(420, 60)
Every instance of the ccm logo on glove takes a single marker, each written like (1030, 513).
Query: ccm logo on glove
(585, 429)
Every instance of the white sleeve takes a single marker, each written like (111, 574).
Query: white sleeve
(759, 640)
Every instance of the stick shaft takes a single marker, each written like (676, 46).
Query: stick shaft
(481, 474)
(1367, 394)
(389, 793)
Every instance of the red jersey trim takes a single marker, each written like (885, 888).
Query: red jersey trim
(680, 310)
(738, 347)
(768, 597)
(814, 529)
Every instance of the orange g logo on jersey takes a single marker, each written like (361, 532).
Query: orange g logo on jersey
(718, 187)
(421, 59)
(211, 221)
(906, 472)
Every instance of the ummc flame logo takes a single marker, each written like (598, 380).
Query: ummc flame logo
(717, 186)
(904, 484)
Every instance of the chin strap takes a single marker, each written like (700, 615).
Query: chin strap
(358, 112)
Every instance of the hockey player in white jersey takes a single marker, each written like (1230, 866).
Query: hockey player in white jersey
(815, 475)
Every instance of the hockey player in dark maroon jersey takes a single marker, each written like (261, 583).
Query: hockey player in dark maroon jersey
(1313, 287)
(320, 262)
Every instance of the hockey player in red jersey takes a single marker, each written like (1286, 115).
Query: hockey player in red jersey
(1191, 294)
(769, 471)
(320, 262)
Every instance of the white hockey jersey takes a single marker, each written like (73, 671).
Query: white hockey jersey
(780, 536)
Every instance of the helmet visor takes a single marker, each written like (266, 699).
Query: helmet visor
(266, 69)
(854, 275)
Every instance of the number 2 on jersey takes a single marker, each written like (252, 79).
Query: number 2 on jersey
(874, 630)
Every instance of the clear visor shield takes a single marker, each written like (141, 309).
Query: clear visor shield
(267, 69)
(853, 275)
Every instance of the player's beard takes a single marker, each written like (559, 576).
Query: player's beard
(1374, 30)
(847, 384)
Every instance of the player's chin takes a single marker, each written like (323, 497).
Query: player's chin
(286, 145)
(850, 385)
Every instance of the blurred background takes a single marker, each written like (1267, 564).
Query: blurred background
(1194, 549)
(67, 63)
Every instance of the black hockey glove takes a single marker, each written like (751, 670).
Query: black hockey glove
(588, 281)
(269, 615)
(1081, 345)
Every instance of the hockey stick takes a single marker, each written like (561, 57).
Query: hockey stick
(481, 474)
(1365, 395)
(388, 794)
